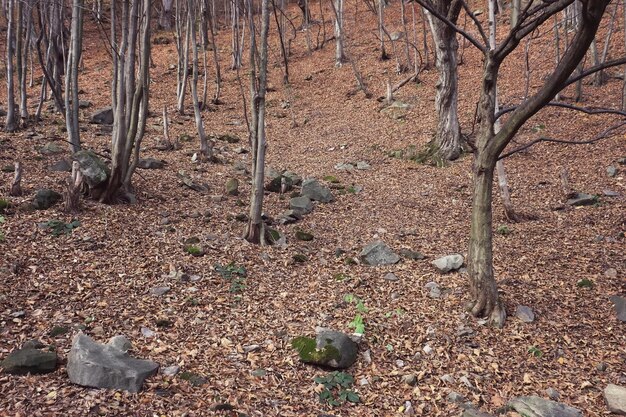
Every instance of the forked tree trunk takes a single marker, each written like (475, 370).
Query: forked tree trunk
(448, 136)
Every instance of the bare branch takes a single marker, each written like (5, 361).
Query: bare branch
(428, 6)
(472, 16)
(604, 135)
(594, 69)
(586, 110)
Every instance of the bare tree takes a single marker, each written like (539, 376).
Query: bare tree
(165, 15)
(448, 136)
(489, 144)
(71, 76)
(256, 232)
(340, 56)
(130, 104)
(10, 124)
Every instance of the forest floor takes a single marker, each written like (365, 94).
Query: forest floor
(99, 277)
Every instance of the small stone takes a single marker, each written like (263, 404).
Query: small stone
(447, 378)
(602, 366)
(315, 191)
(582, 199)
(434, 290)
(45, 198)
(170, 370)
(378, 253)
(342, 166)
(103, 116)
(301, 205)
(159, 291)
(610, 193)
(553, 394)
(51, 148)
(448, 263)
(259, 372)
(455, 397)
(28, 360)
(615, 397)
(150, 163)
(409, 379)
(362, 165)
(465, 380)
(216, 198)
(525, 314)
(147, 332)
(611, 171)
(620, 307)
(610, 273)
(363, 382)
(63, 165)
(232, 186)
(304, 236)
(391, 277)
(427, 349)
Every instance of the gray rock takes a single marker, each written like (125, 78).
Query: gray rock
(553, 394)
(33, 344)
(433, 290)
(145, 332)
(343, 166)
(94, 171)
(620, 307)
(315, 191)
(378, 253)
(448, 263)
(232, 186)
(96, 365)
(44, 199)
(51, 148)
(301, 205)
(151, 163)
(295, 178)
(409, 379)
(362, 165)
(540, 407)
(602, 366)
(280, 184)
(103, 116)
(615, 397)
(582, 199)
(62, 165)
(611, 171)
(29, 360)
(170, 370)
(610, 193)
(84, 104)
(525, 314)
(347, 348)
(455, 397)
(159, 291)
(391, 277)
(410, 254)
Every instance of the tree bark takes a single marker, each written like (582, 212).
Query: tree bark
(71, 77)
(10, 124)
(16, 188)
(448, 136)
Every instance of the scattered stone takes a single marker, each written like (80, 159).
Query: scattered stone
(611, 171)
(145, 332)
(94, 171)
(29, 360)
(409, 379)
(45, 198)
(525, 314)
(343, 166)
(62, 165)
(97, 365)
(259, 372)
(465, 380)
(304, 236)
(448, 263)
(362, 165)
(610, 193)
(232, 186)
(455, 397)
(582, 199)
(391, 277)
(103, 116)
(601, 367)
(447, 378)
(151, 163)
(8, 168)
(295, 178)
(84, 104)
(170, 370)
(427, 349)
(620, 307)
(553, 394)
(329, 348)
(378, 253)
(315, 191)
(51, 148)
(58, 331)
(539, 407)
(280, 184)
(433, 290)
(193, 378)
(159, 291)
(615, 397)
(229, 138)
(302, 205)
(409, 254)
(610, 273)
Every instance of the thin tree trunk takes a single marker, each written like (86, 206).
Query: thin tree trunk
(381, 30)
(10, 124)
(71, 77)
(16, 188)
(340, 56)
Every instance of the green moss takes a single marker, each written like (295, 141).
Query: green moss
(308, 352)
(298, 257)
(304, 236)
(274, 235)
(194, 250)
(4, 204)
(58, 331)
(332, 179)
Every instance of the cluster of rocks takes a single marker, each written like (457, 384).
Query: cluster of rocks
(89, 364)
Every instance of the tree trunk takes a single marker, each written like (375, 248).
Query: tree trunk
(165, 16)
(71, 77)
(16, 188)
(340, 56)
(10, 125)
(448, 137)
(485, 301)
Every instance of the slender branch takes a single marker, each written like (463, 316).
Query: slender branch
(604, 135)
(586, 110)
(481, 47)
(476, 22)
(594, 69)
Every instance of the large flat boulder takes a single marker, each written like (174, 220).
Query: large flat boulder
(92, 364)
(533, 406)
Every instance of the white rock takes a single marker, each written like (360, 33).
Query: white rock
(615, 397)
